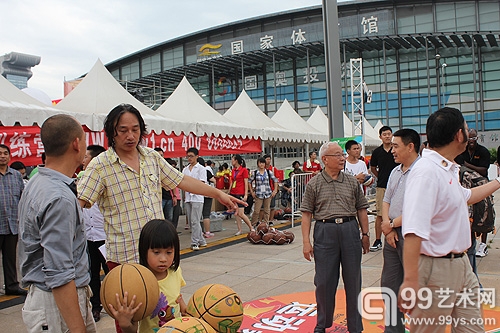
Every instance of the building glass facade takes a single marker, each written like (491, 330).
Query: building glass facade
(417, 57)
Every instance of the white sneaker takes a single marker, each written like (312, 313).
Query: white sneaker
(482, 251)
(195, 247)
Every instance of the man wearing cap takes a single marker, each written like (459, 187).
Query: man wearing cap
(337, 203)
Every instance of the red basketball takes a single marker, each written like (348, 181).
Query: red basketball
(254, 237)
(267, 238)
(280, 238)
(289, 236)
(262, 228)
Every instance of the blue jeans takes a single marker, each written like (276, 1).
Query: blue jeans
(168, 209)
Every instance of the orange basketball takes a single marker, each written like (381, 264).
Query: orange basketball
(136, 280)
(219, 306)
(186, 325)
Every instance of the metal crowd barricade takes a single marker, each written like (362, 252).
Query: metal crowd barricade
(299, 182)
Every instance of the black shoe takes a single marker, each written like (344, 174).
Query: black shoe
(97, 315)
(17, 292)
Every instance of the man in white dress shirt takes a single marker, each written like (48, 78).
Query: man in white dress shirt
(436, 228)
(194, 202)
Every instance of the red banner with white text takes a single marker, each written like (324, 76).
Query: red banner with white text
(26, 146)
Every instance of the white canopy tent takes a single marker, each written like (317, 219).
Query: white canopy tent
(99, 92)
(289, 119)
(17, 107)
(185, 104)
(245, 113)
(378, 126)
(319, 121)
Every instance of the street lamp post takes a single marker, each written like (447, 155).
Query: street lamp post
(443, 66)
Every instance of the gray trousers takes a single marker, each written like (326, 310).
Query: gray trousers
(194, 211)
(335, 245)
(392, 277)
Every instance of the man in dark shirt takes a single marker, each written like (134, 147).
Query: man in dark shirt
(381, 165)
(477, 158)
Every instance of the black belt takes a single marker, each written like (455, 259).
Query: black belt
(339, 220)
(452, 255)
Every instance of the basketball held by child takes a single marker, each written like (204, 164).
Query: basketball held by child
(136, 280)
(186, 325)
(219, 306)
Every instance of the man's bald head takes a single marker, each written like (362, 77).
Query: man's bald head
(58, 132)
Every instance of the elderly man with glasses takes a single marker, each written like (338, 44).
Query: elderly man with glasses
(339, 207)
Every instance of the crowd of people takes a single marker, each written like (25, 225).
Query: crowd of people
(124, 206)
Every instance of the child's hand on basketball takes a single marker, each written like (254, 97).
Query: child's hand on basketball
(182, 305)
(125, 312)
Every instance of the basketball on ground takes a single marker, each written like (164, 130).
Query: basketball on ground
(136, 280)
(186, 325)
(219, 306)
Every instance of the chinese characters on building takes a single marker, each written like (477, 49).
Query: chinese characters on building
(369, 25)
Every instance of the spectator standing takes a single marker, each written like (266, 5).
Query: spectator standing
(381, 165)
(405, 144)
(176, 199)
(53, 248)
(19, 166)
(35, 170)
(312, 164)
(296, 168)
(337, 203)
(437, 237)
(194, 202)
(96, 237)
(12, 186)
(239, 189)
(477, 158)
(269, 167)
(167, 197)
(207, 201)
(353, 165)
(262, 193)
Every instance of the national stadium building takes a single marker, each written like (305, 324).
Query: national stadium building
(417, 56)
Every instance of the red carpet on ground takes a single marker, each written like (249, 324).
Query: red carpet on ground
(297, 313)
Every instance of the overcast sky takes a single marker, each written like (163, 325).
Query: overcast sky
(71, 35)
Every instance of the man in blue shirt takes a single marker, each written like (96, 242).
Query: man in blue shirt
(53, 248)
(12, 186)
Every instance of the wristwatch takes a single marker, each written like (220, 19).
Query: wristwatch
(391, 223)
(367, 234)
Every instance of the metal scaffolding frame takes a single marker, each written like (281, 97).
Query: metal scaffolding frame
(357, 98)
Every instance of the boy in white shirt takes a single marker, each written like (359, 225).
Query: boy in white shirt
(353, 165)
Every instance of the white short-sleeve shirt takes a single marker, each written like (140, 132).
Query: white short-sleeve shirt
(198, 172)
(435, 206)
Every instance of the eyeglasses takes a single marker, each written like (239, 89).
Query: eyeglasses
(189, 156)
(336, 155)
(473, 138)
